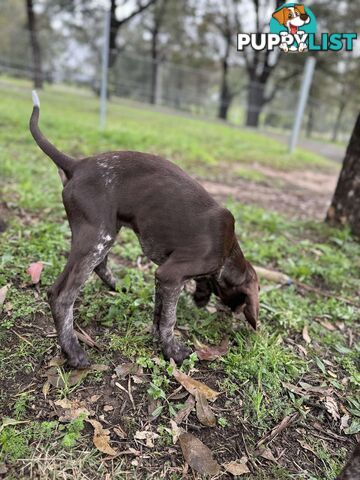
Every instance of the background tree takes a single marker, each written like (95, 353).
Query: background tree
(35, 45)
(345, 205)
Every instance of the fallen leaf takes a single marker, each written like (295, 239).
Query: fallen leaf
(305, 335)
(344, 423)
(314, 389)
(34, 270)
(203, 412)
(332, 407)
(101, 438)
(148, 436)
(46, 388)
(56, 377)
(198, 455)
(3, 293)
(57, 362)
(329, 326)
(120, 432)
(193, 386)
(108, 408)
(306, 446)
(302, 349)
(72, 409)
(207, 352)
(184, 412)
(285, 422)
(268, 455)
(125, 369)
(237, 467)
(11, 421)
(176, 431)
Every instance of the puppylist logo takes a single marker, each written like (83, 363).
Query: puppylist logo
(292, 29)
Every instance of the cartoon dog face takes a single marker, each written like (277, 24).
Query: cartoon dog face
(292, 17)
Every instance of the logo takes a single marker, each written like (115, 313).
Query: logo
(293, 29)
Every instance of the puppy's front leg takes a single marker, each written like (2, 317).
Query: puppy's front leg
(166, 298)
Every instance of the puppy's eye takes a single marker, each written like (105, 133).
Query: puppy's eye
(290, 15)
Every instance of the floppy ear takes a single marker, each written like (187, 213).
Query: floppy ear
(301, 8)
(251, 290)
(251, 310)
(280, 16)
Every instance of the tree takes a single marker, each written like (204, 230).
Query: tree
(116, 24)
(35, 45)
(345, 205)
(158, 14)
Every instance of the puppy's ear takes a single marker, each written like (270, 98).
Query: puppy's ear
(251, 290)
(301, 8)
(280, 16)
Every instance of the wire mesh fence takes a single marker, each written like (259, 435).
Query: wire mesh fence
(181, 87)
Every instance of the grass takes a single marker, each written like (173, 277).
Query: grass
(253, 372)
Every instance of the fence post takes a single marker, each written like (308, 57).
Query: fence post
(105, 69)
(303, 97)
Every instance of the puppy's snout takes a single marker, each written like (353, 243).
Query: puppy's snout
(304, 17)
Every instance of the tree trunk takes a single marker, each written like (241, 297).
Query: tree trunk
(225, 95)
(255, 102)
(35, 46)
(310, 122)
(154, 65)
(336, 129)
(345, 205)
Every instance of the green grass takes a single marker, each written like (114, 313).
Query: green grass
(252, 373)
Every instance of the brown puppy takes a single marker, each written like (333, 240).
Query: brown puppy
(179, 225)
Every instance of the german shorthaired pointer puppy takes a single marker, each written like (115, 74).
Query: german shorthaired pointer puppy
(181, 228)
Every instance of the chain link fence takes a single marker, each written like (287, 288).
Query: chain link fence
(65, 60)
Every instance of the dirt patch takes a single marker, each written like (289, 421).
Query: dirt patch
(299, 195)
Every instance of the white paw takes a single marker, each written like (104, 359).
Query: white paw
(284, 47)
(302, 47)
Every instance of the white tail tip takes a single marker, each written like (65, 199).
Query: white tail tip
(35, 99)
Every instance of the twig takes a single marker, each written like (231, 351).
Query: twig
(325, 294)
(22, 338)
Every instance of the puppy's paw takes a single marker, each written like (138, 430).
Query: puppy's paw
(77, 359)
(284, 47)
(176, 350)
(302, 47)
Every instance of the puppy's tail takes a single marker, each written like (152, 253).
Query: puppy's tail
(64, 162)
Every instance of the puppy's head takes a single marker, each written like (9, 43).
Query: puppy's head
(292, 17)
(239, 290)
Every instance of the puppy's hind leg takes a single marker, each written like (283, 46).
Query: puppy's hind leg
(105, 274)
(89, 248)
(203, 292)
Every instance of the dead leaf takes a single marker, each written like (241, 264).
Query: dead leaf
(302, 349)
(46, 388)
(193, 386)
(101, 438)
(314, 389)
(332, 407)
(108, 408)
(120, 432)
(11, 421)
(3, 293)
(198, 455)
(329, 326)
(237, 467)
(203, 412)
(57, 362)
(125, 369)
(74, 376)
(176, 431)
(72, 409)
(268, 455)
(148, 436)
(306, 446)
(184, 412)
(34, 270)
(207, 352)
(305, 335)
(344, 423)
(285, 422)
